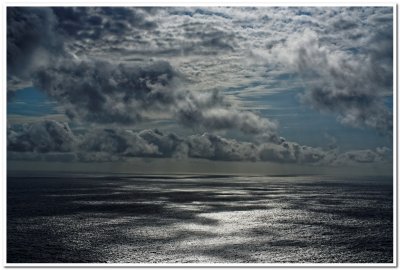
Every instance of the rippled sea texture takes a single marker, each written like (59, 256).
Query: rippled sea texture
(199, 220)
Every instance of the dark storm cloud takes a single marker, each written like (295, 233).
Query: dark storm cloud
(42, 137)
(101, 92)
(99, 22)
(31, 38)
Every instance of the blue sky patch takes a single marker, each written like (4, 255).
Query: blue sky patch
(31, 102)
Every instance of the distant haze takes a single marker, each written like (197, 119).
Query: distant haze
(192, 166)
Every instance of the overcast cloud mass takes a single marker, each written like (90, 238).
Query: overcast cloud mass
(208, 83)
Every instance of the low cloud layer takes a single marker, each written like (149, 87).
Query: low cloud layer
(40, 137)
(56, 139)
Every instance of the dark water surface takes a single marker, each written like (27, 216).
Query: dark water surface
(199, 220)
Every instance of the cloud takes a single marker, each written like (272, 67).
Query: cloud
(116, 67)
(167, 144)
(206, 38)
(50, 140)
(146, 143)
(154, 143)
(207, 110)
(362, 156)
(101, 92)
(129, 31)
(214, 147)
(97, 23)
(105, 93)
(353, 86)
(32, 39)
(121, 32)
(40, 137)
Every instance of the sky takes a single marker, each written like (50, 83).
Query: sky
(210, 89)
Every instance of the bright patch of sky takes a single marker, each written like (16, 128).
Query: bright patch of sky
(31, 102)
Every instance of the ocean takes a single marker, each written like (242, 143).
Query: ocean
(199, 219)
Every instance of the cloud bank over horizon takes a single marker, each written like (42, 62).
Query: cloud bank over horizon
(53, 139)
(207, 71)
